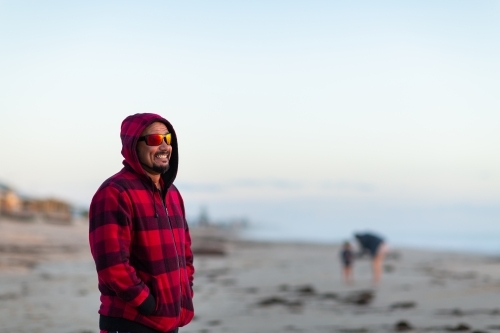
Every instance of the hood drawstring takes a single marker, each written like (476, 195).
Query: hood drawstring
(154, 204)
(154, 197)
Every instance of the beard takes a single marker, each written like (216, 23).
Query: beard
(161, 169)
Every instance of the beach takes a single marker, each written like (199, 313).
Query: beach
(48, 284)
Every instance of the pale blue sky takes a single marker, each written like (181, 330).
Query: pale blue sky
(387, 102)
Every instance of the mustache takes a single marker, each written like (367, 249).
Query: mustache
(166, 152)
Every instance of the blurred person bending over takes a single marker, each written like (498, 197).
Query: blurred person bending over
(376, 247)
(139, 236)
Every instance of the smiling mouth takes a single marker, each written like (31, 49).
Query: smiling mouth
(161, 155)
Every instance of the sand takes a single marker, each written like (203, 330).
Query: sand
(48, 284)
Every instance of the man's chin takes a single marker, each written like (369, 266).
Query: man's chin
(161, 169)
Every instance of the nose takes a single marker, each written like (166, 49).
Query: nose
(165, 145)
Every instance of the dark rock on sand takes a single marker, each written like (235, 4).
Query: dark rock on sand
(283, 287)
(228, 282)
(292, 328)
(393, 255)
(329, 296)
(402, 326)
(252, 290)
(460, 327)
(212, 275)
(459, 313)
(83, 292)
(389, 268)
(353, 330)
(494, 327)
(403, 305)
(274, 300)
(453, 312)
(362, 297)
(214, 323)
(209, 250)
(306, 290)
(295, 304)
(8, 296)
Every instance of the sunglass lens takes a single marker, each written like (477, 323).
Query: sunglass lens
(154, 140)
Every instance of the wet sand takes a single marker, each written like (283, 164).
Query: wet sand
(48, 284)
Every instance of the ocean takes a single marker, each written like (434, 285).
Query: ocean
(457, 227)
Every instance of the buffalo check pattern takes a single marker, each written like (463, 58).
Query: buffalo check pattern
(140, 241)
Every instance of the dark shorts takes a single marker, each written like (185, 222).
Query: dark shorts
(173, 331)
(347, 263)
(375, 249)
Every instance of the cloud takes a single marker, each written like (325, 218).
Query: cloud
(268, 183)
(348, 186)
(248, 184)
(200, 187)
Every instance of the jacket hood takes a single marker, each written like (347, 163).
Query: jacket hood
(131, 130)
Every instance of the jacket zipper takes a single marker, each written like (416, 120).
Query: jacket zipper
(158, 223)
(177, 256)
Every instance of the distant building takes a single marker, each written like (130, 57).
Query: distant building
(52, 210)
(10, 202)
(25, 208)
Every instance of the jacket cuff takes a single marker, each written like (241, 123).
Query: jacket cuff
(148, 306)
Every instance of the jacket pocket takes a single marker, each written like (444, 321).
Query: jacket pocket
(187, 309)
(167, 304)
(154, 291)
(186, 315)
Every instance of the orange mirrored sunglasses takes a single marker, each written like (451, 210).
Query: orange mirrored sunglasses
(156, 139)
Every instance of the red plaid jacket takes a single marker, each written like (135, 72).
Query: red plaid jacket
(140, 242)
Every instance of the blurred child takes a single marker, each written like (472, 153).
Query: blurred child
(347, 257)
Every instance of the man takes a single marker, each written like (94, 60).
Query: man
(374, 245)
(139, 237)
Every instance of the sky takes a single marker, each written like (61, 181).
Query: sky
(277, 104)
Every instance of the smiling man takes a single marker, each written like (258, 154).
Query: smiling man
(139, 236)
